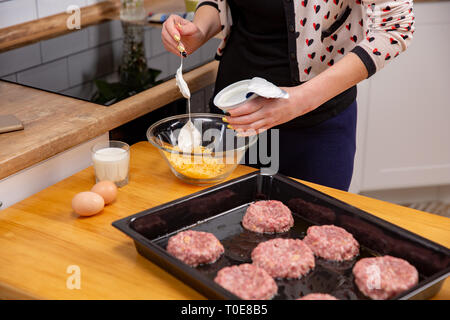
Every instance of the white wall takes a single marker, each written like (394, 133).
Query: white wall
(19, 11)
(404, 112)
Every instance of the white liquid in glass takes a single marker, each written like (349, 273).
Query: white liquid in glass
(112, 164)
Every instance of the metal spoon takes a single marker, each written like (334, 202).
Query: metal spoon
(189, 136)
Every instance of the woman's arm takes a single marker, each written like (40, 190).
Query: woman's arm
(343, 75)
(390, 28)
(207, 20)
(389, 31)
(177, 31)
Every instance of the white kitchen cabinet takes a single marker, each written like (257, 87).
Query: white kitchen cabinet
(31, 180)
(404, 121)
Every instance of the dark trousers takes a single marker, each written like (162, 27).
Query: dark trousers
(322, 154)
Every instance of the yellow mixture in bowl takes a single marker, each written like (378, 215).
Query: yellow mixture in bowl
(196, 167)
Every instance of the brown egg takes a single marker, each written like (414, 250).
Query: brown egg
(87, 203)
(107, 189)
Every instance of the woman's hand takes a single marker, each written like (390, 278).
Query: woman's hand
(260, 114)
(177, 31)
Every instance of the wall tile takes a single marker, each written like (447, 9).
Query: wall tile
(148, 42)
(51, 76)
(19, 59)
(174, 63)
(17, 11)
(117, 49)
(105, 32)
(191, 61)
(64, 45)
(11, 77)
(156, 46)
(47, 8)
(90, 2)
(87, 65)
(160, 62)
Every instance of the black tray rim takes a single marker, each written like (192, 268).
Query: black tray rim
(123, 225)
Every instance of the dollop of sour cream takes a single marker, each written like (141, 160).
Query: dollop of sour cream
(189, 137)
(181, 83)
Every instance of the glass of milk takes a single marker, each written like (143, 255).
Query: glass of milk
(111, 162)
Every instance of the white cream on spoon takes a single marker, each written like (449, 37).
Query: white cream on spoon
(189, 136)
(181, 83)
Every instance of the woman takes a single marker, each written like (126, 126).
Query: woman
(315, 50)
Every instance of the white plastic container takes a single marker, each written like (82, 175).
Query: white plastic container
(240, 92)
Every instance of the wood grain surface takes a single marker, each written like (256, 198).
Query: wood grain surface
(29, 32)
(41, 237)
(54, 123)
(33, 31)
(52, 26)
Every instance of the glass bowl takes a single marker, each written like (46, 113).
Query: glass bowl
(220, 152)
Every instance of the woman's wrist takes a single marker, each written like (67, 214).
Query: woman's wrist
(303, 99)
(323, 87)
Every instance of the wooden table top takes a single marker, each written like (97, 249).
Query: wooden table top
(41, 237)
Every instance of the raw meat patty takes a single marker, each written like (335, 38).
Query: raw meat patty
(318, 296)
(247, 281)
(269, 216)
(384, 277)
(195, 247)
(331, 243)
(284, 258)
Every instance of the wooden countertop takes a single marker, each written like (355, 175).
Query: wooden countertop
(41, 236)
(54, 123)
(32, 31)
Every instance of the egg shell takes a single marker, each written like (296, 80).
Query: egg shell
(107, 189)
(87, 203)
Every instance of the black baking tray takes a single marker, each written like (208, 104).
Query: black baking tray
(219, 210)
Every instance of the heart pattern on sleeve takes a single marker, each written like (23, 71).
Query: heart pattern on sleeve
(314, 18)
